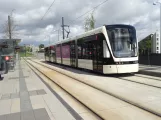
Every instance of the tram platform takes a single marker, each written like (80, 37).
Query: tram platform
(151, 70)
(24, 96)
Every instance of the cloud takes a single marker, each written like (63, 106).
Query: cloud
(31, 29)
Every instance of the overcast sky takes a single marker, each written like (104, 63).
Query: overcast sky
(32, 30)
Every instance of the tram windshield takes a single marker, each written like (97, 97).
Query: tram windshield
(123, 40)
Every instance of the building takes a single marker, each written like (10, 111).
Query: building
(156, 43)
(145, 45)
(150, 44)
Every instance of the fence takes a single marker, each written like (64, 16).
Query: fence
(151, 59)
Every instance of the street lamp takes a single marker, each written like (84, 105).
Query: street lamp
(155, 3)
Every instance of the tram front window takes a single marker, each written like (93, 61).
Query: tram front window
(123, 41)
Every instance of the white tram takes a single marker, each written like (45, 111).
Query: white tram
(110, 49)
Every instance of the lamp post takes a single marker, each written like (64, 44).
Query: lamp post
(155, 3)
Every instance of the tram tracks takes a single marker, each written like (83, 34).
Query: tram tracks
(152, 81)
(149, 77)
(72, 103)
(108, 90)
(139, 80)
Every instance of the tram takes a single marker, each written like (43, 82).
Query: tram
(110, 49)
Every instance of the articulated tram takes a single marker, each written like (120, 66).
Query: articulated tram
(110, 49)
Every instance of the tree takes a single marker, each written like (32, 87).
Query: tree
(31, 50)
(13, 27)
(89, 22)
(41, 46)
(28, 48)
(145, 45)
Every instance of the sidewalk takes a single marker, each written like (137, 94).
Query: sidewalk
(23, 96)
(150, 70)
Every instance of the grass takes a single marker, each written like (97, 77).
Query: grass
(22, 54)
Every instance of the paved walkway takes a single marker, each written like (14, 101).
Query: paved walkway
(150, 70)
(23, 96)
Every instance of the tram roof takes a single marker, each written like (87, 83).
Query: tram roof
(91, 32)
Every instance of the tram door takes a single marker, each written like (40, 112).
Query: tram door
(72, 54)
(98, 56)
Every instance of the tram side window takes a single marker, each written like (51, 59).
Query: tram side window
(79, 47)
(85, 49)
(90, 51)
(72, 49)
(52, 50)
(100, 46)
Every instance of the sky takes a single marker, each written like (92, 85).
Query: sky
(32, 28)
